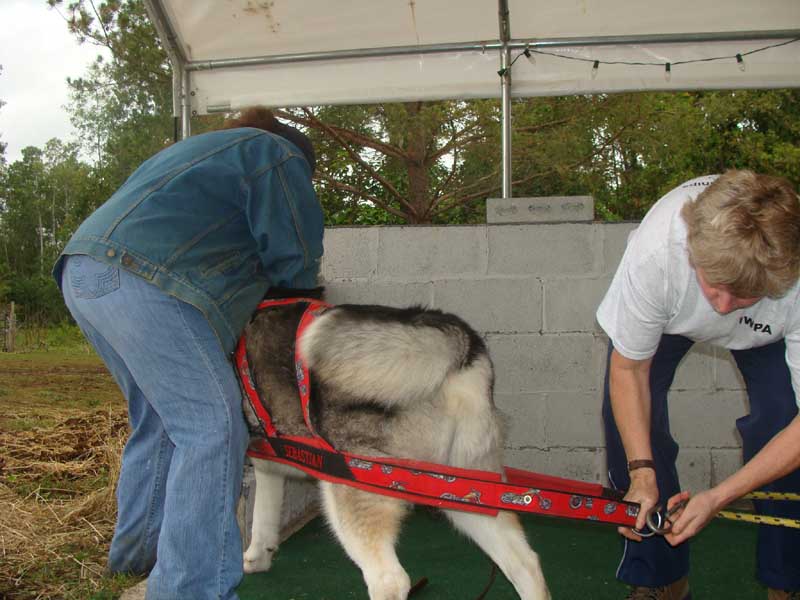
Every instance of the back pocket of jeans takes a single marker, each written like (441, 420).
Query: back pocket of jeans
(90, 278)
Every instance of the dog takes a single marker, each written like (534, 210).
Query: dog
(407, 383)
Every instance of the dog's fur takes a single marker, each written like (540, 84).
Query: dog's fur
(408, 383)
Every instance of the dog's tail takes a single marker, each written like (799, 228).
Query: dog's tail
(392, 357)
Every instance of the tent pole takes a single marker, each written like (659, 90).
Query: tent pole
(180, 79)
(485, 45)
(505, 93)
(177, 84)
(186, 105)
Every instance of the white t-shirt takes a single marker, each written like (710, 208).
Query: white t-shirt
(655, 291)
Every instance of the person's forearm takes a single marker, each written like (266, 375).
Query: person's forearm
(630, 402)
(779, 457)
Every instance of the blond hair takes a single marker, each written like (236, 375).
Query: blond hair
(744, 233)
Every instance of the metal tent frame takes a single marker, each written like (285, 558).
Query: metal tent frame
(184, 68)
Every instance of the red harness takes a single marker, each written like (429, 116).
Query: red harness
(421, 482)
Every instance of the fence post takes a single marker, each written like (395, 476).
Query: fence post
(10, 329)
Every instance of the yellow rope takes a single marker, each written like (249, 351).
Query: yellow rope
(760, 519)
(771, 496)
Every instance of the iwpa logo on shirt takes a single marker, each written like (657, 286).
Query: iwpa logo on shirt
(756, 327)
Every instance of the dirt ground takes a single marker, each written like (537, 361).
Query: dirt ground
(62, 428)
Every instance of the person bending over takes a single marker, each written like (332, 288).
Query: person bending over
(162, 279)
(716, 260)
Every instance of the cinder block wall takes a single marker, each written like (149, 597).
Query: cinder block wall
(532, 291)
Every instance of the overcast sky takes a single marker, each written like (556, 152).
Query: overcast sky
(37, 53)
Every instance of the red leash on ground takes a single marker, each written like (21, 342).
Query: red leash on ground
(420, 482)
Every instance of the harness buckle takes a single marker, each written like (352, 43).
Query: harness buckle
(658, 520)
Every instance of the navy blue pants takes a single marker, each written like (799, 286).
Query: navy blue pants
(653, 562)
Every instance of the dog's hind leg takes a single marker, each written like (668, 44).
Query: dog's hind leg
(477, 443)
(503, 539)
(367, 526)
(264, 540)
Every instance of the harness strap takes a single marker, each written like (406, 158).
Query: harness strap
(421, 482)
(451, 488)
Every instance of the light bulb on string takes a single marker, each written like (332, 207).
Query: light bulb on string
(595, 69)
(668, 72)
(529, 55)
(740, 61)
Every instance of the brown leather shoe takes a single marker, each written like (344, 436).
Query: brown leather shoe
(773, 594)
(678, 590)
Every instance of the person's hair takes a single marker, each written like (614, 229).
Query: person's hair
(261, 117)
(744, 233)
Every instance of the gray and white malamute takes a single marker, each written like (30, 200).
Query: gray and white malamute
(406, 383)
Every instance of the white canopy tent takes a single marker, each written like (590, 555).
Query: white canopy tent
(233, 53)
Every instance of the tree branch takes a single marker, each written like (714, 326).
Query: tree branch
(360, 161)
(346, 134)
(358, 192)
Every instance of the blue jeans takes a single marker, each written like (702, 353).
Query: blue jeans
(653, 562)
(182, 465)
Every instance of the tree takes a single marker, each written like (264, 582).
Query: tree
(2, 144)
(122, 107)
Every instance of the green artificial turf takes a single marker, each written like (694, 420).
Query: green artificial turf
(579, 560)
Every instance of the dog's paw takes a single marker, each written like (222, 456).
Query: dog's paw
(258, 560)
(388, 586)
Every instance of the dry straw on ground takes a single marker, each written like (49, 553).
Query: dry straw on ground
(57, 506)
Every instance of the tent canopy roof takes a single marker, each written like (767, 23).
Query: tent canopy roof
(310, 52)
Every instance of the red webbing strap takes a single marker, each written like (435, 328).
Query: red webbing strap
(245, 376)
(313, 310)
(451, 488)
(421, 482)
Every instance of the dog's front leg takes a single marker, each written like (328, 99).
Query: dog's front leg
(266, 516)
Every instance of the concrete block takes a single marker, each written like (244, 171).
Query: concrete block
(379, 292)
(694, 469)
(423, 253)
(500, 305)
(724, 463)
(581, 464)
(350, 252)
(702, 420)
(529, 459)
(539, 363)
(300, 503)
(603, 466)
(696, 370)
(574, 420)
(524, 415)
(541, 209)
(571, 304)
(599, 361)
(614, 237)
(726, 374)
(543, 250)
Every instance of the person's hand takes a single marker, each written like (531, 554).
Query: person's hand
(643, 490)
(690, 520)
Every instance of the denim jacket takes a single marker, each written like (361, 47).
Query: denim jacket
(214, 220)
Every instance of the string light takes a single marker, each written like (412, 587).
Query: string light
(530, 53)
(531, 58)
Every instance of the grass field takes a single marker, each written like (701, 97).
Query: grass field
(62, 427)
